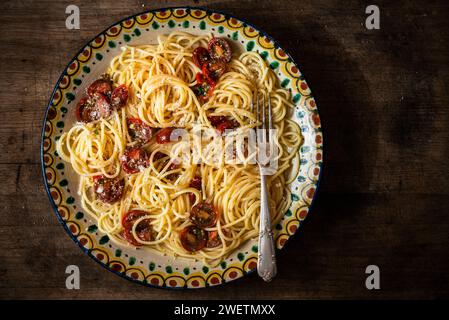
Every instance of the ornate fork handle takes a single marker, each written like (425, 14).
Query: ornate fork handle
(266, 263)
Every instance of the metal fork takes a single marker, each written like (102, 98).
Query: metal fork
(266, 262)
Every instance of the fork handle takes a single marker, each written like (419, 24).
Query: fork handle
(266, 262)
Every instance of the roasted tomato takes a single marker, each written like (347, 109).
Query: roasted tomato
(213, 239)
(193, 238)
(144, 230)
(203, 215)
(195, 183)
(200, 56)
(134, 159)
(200, 78)
(93, 108)
(81, 107)
(119, 97)
(219, 49)
(163, 135)
(102, 85)
(216, 120)
(227, 124)
(213, 70)
(108, 190)
(139, 131)
(203, 91)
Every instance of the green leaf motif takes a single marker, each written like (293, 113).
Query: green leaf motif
(274, 65)
(104, 240)
(285, 83)
(250, 46)
(69, 96)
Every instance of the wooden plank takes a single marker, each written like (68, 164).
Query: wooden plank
(384, 105)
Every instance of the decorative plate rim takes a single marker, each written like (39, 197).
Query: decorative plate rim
(47, 185)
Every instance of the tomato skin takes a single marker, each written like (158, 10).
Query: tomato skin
(133, 159)
(144, 229)
(119, 97)
(200, 79)
(213, 70)
(108, 190)
(200, 56)
(93, 108)
(219, 48)
(139, 131)
(82, 104)
(193, 238)
(101, 104)
(216, 120)
(213, 239)
(102, 86)
(227, 124)
(204, 215)
(195, 183)
(203, 91)
(163, 136)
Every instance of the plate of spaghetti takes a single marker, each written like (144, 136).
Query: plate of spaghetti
(134, 140)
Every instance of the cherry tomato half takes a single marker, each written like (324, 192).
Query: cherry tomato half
(119, 97)
(216, 120)
(193, 238)
(144, 230)
(80, 107)
(93, 108)
(213, 239)
(203, 215)
(134, 159)
(200, 78)
(200, 56)
(102, 85)
(203, 91)
(195, 183)
(108, 190)
(139, 131)
(213, 70)
(227, 124)
(219, 49)
(163, 135)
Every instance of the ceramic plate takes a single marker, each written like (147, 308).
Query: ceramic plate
(61, 182)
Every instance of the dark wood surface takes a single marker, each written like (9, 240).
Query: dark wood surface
(384, 195)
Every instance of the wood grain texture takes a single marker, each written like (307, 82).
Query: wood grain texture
(384, 105)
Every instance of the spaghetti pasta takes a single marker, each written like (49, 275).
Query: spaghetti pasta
(160, 79)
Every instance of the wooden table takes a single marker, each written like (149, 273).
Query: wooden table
(384, 195)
